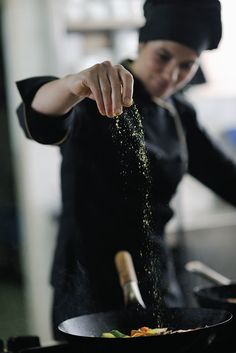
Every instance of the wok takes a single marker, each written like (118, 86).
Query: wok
(219, 294)
(84, 332)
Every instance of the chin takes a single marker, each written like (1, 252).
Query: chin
(156, 92)
(167, 94)
(162, 93)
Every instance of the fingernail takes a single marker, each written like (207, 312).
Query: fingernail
(118, 111)
(109, 114)
(128, 101)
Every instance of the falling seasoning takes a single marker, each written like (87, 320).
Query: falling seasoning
(128, 135)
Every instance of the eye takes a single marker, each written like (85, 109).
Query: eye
(163, 57)
(186, 66)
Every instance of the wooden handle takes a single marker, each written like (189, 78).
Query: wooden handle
(125, 267)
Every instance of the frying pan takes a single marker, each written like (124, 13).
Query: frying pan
(216, 295)
(83, 332)
(220, 295)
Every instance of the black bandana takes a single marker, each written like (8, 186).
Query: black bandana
(194, 23)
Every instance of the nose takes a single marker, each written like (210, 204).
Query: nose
(171, 72)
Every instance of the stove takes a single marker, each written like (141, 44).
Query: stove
(32, 344)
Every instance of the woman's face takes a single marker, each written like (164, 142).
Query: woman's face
(165, 66)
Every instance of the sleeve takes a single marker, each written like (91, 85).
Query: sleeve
(44, 129)
(208, 162)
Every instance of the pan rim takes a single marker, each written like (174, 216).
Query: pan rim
(227, 313)
(201, 291)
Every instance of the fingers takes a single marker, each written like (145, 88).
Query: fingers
(110, 86)
(116, 92)
(94, 92)
(127, 86)
(106, 89)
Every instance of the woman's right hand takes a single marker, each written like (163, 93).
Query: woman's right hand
(111, 86)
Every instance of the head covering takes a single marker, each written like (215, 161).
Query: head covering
(194, 23)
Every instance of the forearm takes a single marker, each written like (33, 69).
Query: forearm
(111, 87)
(55, 97)
(43, 128)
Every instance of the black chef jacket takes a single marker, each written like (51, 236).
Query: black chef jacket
(100, 217)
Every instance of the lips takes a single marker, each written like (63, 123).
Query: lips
(163, 85)
(158, 88)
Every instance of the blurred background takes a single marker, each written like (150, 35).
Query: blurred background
(57, 37)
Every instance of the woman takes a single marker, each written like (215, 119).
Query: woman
(100, 216)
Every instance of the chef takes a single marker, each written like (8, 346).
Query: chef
(103, 192)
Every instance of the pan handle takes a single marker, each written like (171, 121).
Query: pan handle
(128, 279)
(208, 273)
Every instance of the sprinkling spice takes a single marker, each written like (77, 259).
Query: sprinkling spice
(128, 135)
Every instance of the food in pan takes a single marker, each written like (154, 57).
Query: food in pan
(143, 331)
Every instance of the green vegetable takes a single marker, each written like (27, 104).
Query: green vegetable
(107, 335)
(117, 333)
